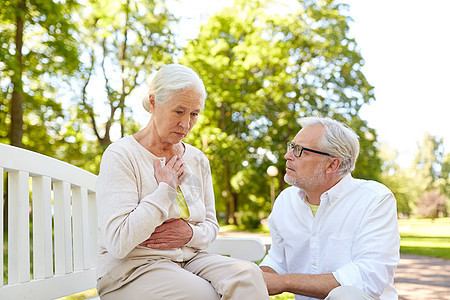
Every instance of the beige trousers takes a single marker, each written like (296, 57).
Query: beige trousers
(206, 276)
(346, 292)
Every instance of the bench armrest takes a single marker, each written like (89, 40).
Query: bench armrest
(250, 249)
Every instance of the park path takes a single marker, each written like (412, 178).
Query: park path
(417, 277)
(421, 277)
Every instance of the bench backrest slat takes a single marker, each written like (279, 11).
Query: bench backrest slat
(63, 230)
(18, 227)
(77, 229)
(91, 222)
(42, 228)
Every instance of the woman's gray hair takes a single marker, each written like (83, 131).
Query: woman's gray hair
(171, 79)
(338, 140)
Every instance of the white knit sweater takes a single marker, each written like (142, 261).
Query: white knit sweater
(131, 204)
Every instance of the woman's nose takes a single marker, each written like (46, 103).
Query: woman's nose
(185, 121)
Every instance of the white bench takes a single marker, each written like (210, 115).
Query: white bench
(62, 235)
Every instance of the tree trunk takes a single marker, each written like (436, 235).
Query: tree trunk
(281, 181)
(232, 198)
(234, 206)
(123, 57)
(227, 211)
(16, 130)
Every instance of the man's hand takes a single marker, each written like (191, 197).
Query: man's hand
(171, 234)
(273, 281)
(172, 173)
(311, 285)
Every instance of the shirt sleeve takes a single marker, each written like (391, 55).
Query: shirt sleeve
(124, 221)
(205, 232)
(375, 253)
(275, 258)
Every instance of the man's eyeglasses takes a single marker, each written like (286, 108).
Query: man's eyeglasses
(298, 150)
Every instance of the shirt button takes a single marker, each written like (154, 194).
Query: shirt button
(314, 263)
(314, 234)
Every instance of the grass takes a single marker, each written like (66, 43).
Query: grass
(425, 237)
(262, 229)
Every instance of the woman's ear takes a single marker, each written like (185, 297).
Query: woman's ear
(151, 99)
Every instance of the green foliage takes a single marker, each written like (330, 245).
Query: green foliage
(428, 160)
(423, 188)
(393, 177)
(431, 205)
(248, 219)
(122, 42)
(427, 173)
(444, 178)
(262, 72)
(48, 53)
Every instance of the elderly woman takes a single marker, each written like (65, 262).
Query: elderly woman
(156, 207)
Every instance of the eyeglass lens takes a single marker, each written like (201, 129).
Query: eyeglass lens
(297, 149)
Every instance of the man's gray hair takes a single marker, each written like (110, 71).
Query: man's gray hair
(171, 79)
(338, 140)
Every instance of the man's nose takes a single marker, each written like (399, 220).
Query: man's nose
(289, 155)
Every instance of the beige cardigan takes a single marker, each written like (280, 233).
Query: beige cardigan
(131, 204)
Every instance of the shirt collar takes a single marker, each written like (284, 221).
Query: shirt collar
(335, 193)
(302, 194)
(332, 194)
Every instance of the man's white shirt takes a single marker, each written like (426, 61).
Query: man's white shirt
(354, 236)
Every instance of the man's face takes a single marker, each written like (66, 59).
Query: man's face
(307, 171)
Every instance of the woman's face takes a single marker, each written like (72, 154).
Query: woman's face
(175, 118)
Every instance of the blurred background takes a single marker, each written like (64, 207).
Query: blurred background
(73, 73)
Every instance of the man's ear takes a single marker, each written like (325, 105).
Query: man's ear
(333, 165)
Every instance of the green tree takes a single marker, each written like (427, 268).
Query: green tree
(432, 170)
(426, 174)
(122, 43)
(431, 205)
(444, 179)
(37, 49)
(428, 160)
(263, 71)
(395, 179)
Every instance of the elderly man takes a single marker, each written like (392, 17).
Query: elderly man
(333, 236)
